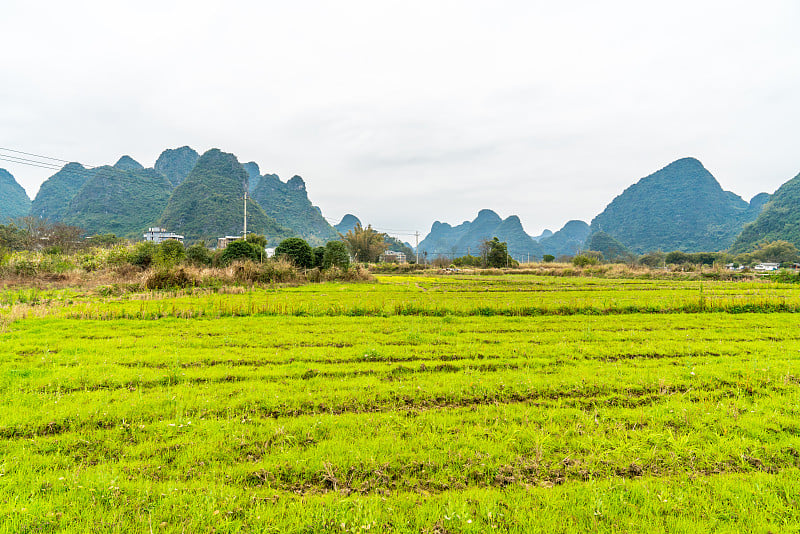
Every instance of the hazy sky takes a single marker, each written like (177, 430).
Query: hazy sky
(404, 112)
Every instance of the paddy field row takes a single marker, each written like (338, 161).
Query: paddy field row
(120, 417)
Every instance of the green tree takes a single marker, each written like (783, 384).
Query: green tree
(676, 257)
(239, 250)
(257, 240)
(366, 244)
(12, 237)
(198, 254)
(336, 255)
(319, 255)
(548, 258)
(297, 250)
(653, 259)
(496, 253)
(777, 251)
(105, 240)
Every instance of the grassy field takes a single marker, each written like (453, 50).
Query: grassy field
(414, 404)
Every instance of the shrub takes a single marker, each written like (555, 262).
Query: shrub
(169, 279)
(199, 255)
(582, 260)
(143, 254)
(169, 254)
(297, 251)
(272, 271)
(23, 265)
(119, 254)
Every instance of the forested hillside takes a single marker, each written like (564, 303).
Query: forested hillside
(14, 201)
(209, 202)
(680, 207)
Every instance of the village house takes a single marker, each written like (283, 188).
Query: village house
(223, 242)
(767, 267)
(159, 235)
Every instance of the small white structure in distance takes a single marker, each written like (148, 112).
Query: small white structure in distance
(159, 235)
(767, 267)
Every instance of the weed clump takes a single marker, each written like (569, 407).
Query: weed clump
(169, 279)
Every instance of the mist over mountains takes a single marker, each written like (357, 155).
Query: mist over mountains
(679, 207)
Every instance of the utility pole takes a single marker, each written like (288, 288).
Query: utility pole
(245, 216)
(416, 247)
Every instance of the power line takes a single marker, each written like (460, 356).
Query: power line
(34, 155)
(40, 156)
(43, 165)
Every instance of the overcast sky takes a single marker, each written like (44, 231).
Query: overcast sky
(406, 112)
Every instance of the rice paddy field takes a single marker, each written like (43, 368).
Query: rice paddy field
(432, 404)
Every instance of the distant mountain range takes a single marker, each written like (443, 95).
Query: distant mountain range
(466, 238)
(200, 197)
(680, 207)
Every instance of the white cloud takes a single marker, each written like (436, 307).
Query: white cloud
(406, 112)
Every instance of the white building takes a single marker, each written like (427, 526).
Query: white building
(767, 267)
(159, 235)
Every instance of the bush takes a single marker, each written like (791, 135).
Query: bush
(169, 279)
(117, 254)
(335, 255)
(297, 251)
(169, 254)
(143, 254)
(199, 255)
(582, 260)
(239, 250)
(272, 271)
(23, 265)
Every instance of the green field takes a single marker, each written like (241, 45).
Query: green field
(413, 404)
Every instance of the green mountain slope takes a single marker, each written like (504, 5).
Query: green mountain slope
(680, 207)
(176, 164)
(347, 223)
(289, 205)
(14, 201)
(209, 203)
(123, 200)
(55, 194)
(780, 219)
(127, 163)
(611, 249)
(567, 241)
(253, 175)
